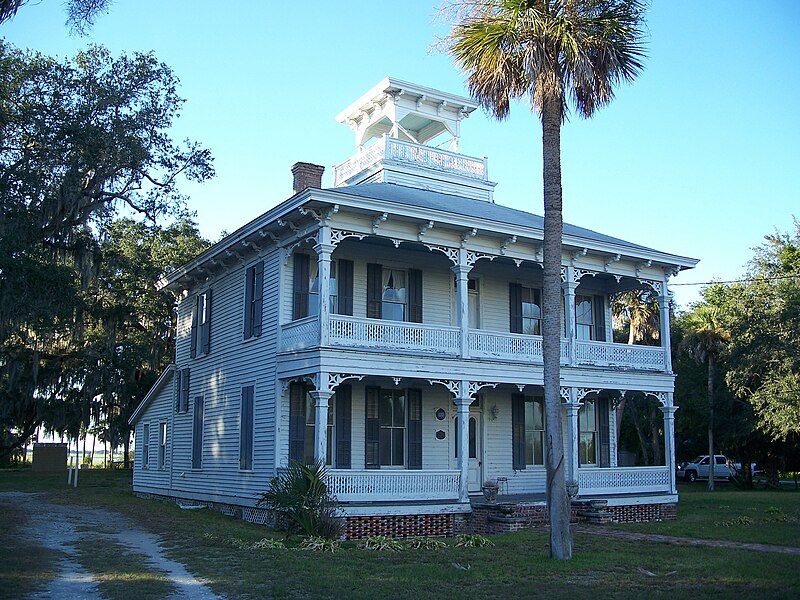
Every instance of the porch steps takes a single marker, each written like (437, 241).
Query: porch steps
(593, 511)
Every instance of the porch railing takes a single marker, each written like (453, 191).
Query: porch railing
(397, 335)
(387, 485)
(604, 354)
(622, 480)
(300, 334)
(514, 346)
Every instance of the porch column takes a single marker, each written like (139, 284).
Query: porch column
(663, 303)
(569, 287)
(321, 398)
(669, 441)
(572, 407)
(324, 249)
(461, 271)
(462, 403)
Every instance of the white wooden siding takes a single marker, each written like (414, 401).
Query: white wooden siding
(158, 411)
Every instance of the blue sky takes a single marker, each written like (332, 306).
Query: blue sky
(698, 157)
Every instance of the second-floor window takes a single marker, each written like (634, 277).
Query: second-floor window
(525, 309)
(306, 287)
(181, 390)
(590, 322)
(201, 325)
(394, 294)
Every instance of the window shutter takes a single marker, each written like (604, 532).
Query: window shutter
(415, 296)
(414, 429)
(372, 430)
(248, 302)
(515, 307)
(344, 410)
(185, 391)
(518, 431)
(246, 429)
(344, 284)
(195, 311)
(600, 318)
(297, 422)
(177, 390)
(603, 432)
(258, 299)
(197, 437)
(374, 291)
(300, 287)
(206, 329)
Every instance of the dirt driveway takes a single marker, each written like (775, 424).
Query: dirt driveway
(59, 528)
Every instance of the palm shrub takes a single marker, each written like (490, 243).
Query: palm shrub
(300, 498)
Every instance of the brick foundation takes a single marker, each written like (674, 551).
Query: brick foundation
(399, 526)
(644, 513)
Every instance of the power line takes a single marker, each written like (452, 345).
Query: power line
(745, 280)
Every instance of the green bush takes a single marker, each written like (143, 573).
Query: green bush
(300, 498)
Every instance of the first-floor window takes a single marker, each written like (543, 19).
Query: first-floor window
(302, 419)
(587, 419)
(197, 433)
(162, 445)
(145, 445)
(394, 428)
(527, 430)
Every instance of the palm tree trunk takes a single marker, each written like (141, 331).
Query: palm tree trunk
(558, 502)
(712, 364)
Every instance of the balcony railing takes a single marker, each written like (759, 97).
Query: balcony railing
(393, 149)
(387, 485)
(622, 480)
(603, 354)
(397, 335)
(400, 336)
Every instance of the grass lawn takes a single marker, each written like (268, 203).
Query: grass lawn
(217, 548)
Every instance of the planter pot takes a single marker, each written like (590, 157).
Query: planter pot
(490, 492)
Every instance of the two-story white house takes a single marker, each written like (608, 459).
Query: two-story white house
(391, 325)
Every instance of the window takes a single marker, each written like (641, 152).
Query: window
(527, 431)
(197, 433)
(590, 318)
(146, 445)
(593, 433)
(306, 287)
(525, 309)
(473, 304)
(181, 390)
(587, 420)
(302, 418)
(246, 429)
(394, 428)
(201, 325)
(534, 431)
(162, 445)
(253, 300)
(394, 294)
(531, 311)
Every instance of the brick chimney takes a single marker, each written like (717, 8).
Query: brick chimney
(307, 175)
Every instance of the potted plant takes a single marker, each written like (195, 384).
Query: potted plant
(490, 489)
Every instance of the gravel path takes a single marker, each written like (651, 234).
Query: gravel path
(57, 527)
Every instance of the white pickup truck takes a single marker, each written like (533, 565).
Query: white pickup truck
(699, 468)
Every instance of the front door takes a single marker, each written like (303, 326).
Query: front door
(475, 451)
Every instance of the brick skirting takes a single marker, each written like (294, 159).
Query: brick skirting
(644, 513)
(399, 526)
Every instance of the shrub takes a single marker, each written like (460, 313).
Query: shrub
(423, 543)
(382, 542)
(473, 540)
(319, 544)
(300, 498)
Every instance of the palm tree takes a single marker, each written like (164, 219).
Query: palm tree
(639, 309)
(704, 340)
(556, 53)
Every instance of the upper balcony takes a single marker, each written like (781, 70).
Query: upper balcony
(356, 333)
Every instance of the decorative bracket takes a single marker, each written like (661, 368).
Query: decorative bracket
(564, 392)
(450, 384)
(468, 234)
(473, 387)
(506, 243)
(642, 265)
(264, 233)
(287, 251)
(336, 379)
(322, 216)
(451, 253)
(376, 221)
(578, 253)
(662, 397)
(578, 273)
(473, 257)
(289, 224)
(423, 229)
(656, 285)
(337, 235)
(583, 392)
(609, 260)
